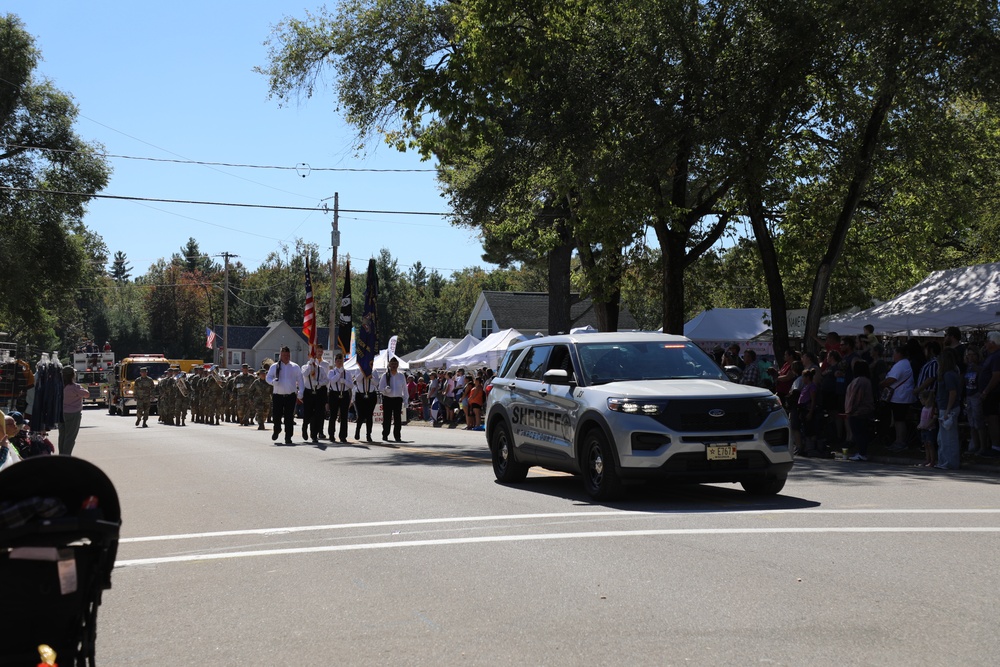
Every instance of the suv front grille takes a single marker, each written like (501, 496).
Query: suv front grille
(737, 414)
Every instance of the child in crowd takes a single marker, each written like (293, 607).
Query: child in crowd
(927, 427)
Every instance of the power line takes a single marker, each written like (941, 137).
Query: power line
(273, 207)
(300, 167)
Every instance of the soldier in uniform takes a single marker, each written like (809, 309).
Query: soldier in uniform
(164, 406)
(260, 398)
(229, 410)
(215, 397)
(183, 397)
(143, 388)
(242, 385)
(194, 383)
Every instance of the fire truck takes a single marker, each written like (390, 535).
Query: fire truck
(15, 376)
(122, 377)
(91, 371)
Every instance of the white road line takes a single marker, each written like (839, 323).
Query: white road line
(521, 517)
(547, 536)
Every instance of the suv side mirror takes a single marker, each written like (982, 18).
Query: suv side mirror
(557, 376)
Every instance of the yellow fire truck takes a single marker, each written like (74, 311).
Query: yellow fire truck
(122, 377)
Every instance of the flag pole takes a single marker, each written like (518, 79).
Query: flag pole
(335, 242)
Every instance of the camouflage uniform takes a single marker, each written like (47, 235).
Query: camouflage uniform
(183, 398)
(214, 398)
(229, 410)
(260, 397)
(242, 387)
(143, 391)
(165, 405)
(194, 384)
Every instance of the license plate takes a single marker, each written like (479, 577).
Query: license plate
(721, 452)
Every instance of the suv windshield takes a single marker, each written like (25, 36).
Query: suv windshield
(614, 362)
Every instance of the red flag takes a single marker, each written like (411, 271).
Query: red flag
(309, 318)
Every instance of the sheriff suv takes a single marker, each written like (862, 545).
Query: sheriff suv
(618, 407)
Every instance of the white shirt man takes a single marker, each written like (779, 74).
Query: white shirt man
(286, 378)
(392, 385)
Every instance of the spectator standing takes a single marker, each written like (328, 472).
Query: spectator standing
(926, 427)
(989, 383)
(859, 404)
(72, 412)
(807, 406)
(751, 371)
(477, 398)
(899, 384)
(947, 393)
(979, 437)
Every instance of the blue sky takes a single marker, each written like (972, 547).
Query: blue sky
(175, 81)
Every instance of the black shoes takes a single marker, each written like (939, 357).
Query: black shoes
(274, 435)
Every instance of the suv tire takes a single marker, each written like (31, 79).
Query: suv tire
(505, 467)
(600, 473)
(768, 486)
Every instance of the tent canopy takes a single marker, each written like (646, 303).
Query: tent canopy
(436, 359)
(964, 297)
(432, 346)
(721, 325)
(488, 352)
(380, 363)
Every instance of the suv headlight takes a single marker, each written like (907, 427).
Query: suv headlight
(637, 406)
(768, 405)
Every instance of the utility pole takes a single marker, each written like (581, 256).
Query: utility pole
(334, 303)
(225, 309)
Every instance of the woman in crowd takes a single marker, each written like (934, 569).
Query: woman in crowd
(859, 404)
(947, 390)
(898, 387)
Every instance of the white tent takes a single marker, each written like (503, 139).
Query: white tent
(432, 346)
(380, 363)
(437, 359)
(488, 352)
(965, 297)
(722, 325)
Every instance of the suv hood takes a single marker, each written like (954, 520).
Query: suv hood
(686, 388)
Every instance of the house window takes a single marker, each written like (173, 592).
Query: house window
(485, 328)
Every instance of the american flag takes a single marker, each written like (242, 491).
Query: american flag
(309, 318)
(209, 338)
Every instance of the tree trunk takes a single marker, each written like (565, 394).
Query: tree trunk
(862, 174)
(559, 285)
(674, 261)
(772, 276)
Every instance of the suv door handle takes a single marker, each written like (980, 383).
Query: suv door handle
(543, 391)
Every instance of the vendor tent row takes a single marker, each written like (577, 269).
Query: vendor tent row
(468, 352)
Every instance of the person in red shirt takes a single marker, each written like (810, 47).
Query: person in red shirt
(477, 398)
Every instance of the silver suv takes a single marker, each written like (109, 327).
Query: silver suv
(614, 407)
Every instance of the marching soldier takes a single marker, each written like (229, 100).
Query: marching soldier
(365, 400)
(183, 397)
(242, 387)
(339, 384)
(144, 387)
(165, 404)
(260, 397)
(314, 375)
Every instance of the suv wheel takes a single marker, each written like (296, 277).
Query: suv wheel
(505, 467)
(767, 486)
(600, 476)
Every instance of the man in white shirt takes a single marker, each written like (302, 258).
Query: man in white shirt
(286, 379)
(340, 384)
(365, 400)
(392, 385)
(314, 378)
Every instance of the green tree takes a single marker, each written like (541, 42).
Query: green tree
(121, 270)
(42, 154)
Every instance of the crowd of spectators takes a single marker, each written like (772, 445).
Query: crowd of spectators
(938, 395)
(449, 397)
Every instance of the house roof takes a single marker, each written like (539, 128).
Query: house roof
(245, 338)
(528, 312)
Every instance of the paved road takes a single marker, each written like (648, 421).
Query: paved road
(239, 552)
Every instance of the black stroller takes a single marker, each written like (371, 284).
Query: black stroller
(59, 526)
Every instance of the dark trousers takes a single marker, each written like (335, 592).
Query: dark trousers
(365, 405)
(340, 402)
(283, 409)
(392, 415)
(313, 412)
